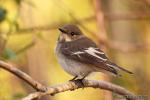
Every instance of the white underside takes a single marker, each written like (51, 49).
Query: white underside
(72, 67)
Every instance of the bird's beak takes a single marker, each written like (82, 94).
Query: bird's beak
(62, 30)
(62, 35)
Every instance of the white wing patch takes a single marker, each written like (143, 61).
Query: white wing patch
(93, 52)
(78, 52)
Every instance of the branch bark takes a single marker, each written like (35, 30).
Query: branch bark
(43, 90)
(25, 77)
(87, 83)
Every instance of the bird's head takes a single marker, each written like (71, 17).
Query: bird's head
(69, 33)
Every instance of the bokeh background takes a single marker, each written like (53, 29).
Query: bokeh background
(28, 36)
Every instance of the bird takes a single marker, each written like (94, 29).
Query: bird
(79, 56)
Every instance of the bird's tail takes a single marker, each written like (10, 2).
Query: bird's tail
(120, 68)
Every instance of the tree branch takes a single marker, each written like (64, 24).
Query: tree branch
(43, 90)
(87, 83)
(36, 85)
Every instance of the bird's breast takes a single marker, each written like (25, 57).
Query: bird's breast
(71, 66)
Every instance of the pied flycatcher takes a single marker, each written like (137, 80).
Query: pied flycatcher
(79, 55)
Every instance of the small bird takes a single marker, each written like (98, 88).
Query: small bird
(79, 56)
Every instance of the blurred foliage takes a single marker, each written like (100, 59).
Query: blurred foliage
(9, 54)
(3, 13)
(28, 35)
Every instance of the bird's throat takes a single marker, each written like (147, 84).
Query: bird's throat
(64, 38)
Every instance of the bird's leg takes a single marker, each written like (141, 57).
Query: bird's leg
(79, 82)
(81, 78)
(73, 78)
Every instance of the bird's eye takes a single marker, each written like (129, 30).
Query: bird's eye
(72, 33)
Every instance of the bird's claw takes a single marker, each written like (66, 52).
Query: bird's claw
(79, 83)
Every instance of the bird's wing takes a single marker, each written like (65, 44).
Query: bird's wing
(85, 51)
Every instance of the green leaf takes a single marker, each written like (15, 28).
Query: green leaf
(9, 54)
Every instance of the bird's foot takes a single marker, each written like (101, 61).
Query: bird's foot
(73, 78)
(78, 82)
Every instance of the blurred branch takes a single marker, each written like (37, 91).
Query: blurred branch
(26, 47)
(112, 17)
(102, 36)
(2, 44)
(53, 26)
(75, 19)
(80, 22)
(100, 21)
(64, 87)
(127, 47)
(148, 2)
(128, 16)
(9, 67)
